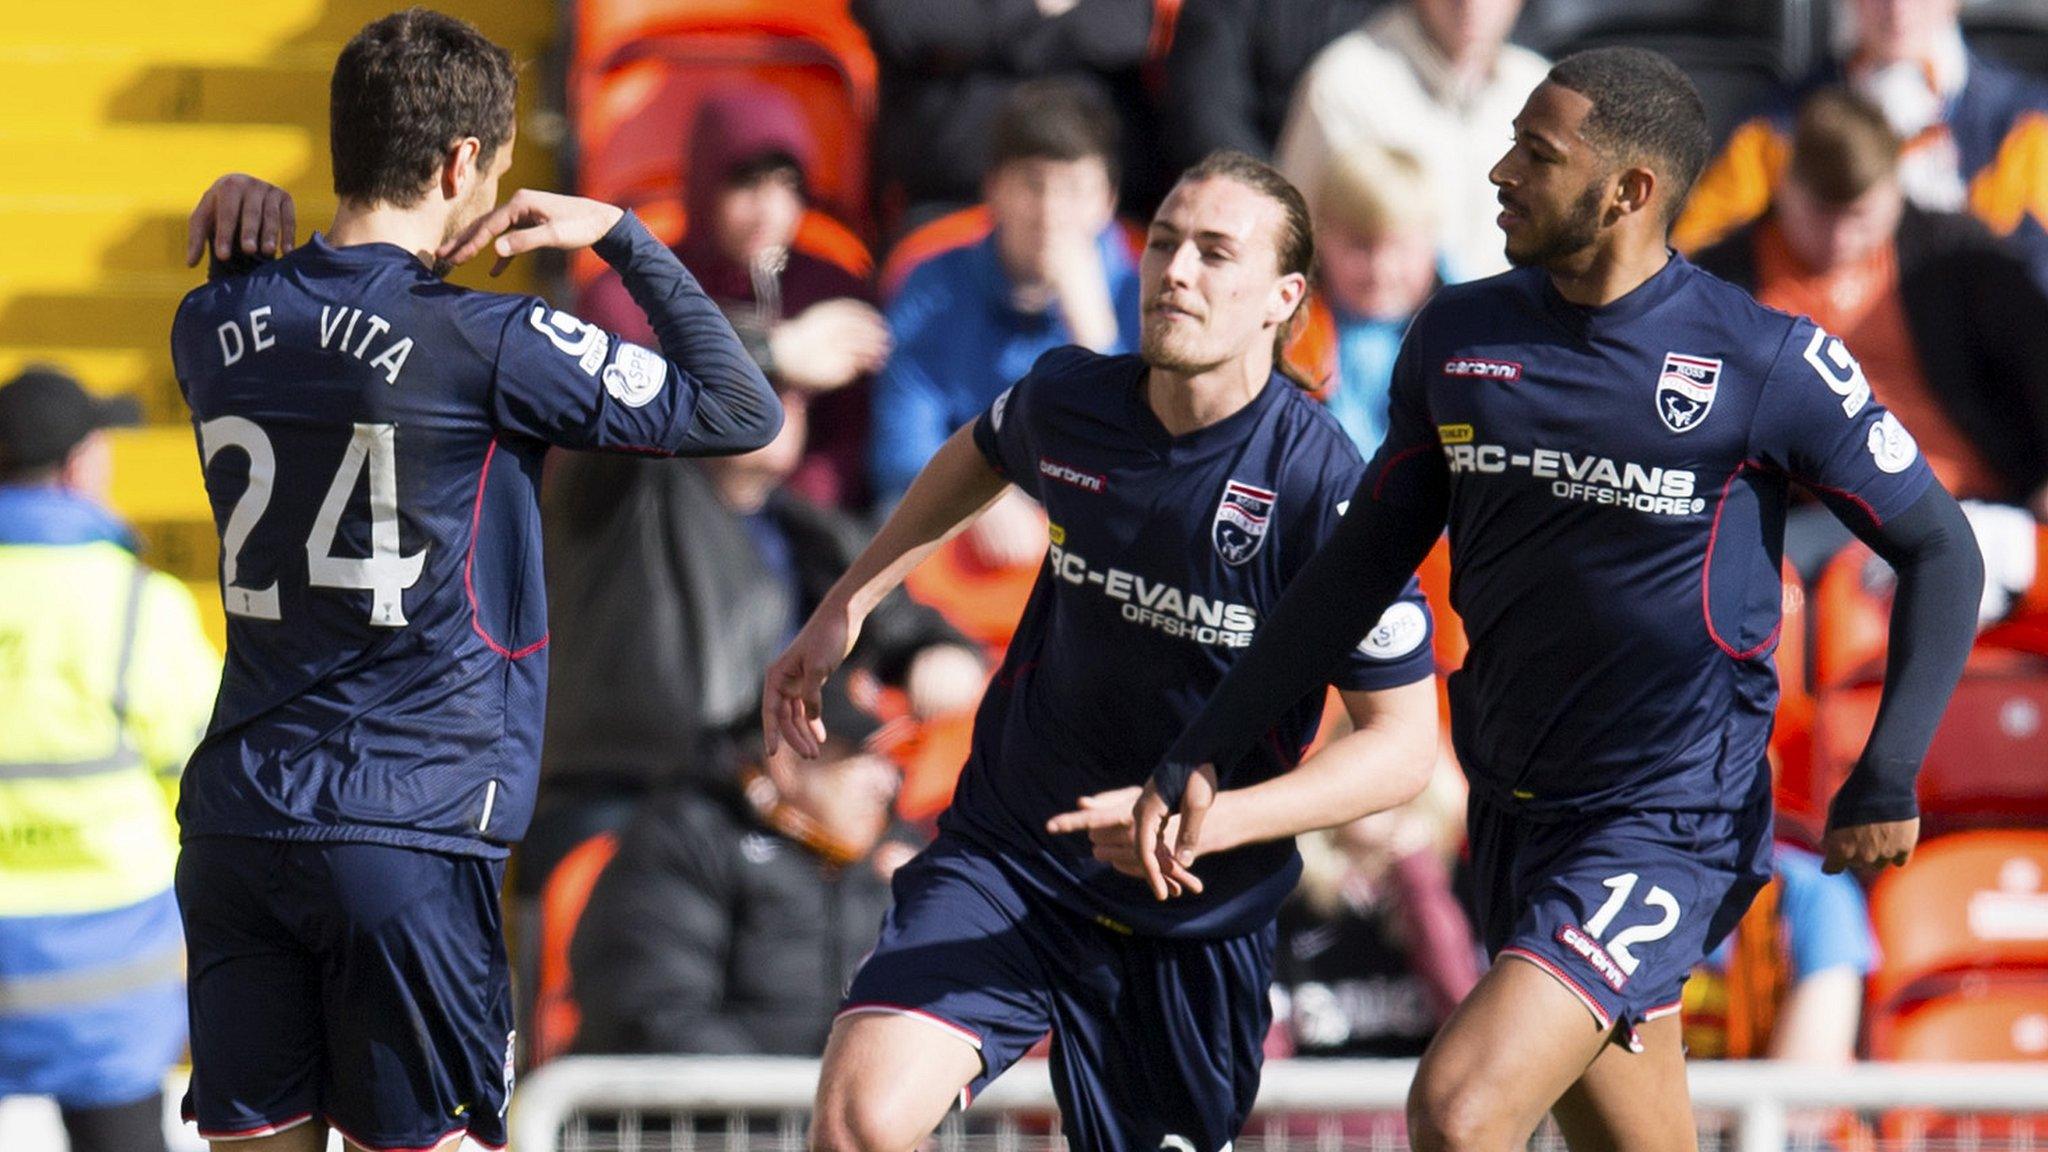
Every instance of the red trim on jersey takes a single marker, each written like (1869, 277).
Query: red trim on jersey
(261, 1130)
(1707, 577)
(1845, 494)
(971, 1037)
(476, 517)
(1571, 985)
(1399, 458)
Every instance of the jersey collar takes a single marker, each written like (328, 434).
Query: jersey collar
(1227, 430)
(377, 252)
(1580, 320)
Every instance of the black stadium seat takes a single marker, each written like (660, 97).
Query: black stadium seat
(1737, 51)
(2015, 31)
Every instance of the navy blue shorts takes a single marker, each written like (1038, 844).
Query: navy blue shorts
(1619, 906)
(359, 984)
(1156, 1042)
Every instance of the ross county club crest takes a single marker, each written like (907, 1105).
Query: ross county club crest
(1241, 518)
(1685, 390)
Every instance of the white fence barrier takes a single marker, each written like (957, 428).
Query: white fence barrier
(630, 1104)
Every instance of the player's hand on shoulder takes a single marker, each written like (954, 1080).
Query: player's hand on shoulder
(1866, 848)
(791, 691)
(532, 220)
(238, 212)
(1166, 844)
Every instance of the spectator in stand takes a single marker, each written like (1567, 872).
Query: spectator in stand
(1788, 983)
(1376, 260)
(1055, 270)
(671, 584)
(736, 910)
(1975, 131)
(1374, 949)
(1234, 65)
(949, 66)
(810, 324)
(1951, 331)
(1438, 80)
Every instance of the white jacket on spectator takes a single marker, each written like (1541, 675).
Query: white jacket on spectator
(1389, 85)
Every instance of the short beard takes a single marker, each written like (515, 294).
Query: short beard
(1571, 235)
(1156, 351)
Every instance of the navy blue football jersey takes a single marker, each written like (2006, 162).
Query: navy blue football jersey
(1165, 552)
(372, 439)
(1617, 482)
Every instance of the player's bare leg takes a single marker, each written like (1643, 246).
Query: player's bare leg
(1515, 1045)
(1633, 1101)
(308, 1137)
(887, 1081)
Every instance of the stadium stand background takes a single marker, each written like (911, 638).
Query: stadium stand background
(114, 116)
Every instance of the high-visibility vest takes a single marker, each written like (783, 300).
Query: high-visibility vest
(106, 681)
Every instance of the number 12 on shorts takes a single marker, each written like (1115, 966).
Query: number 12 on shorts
(1621, 948)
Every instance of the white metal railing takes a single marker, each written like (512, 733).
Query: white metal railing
(1758, 1098)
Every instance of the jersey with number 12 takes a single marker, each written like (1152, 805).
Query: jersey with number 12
(372, 440)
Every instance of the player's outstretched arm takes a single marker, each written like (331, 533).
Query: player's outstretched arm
(241, 212)
(1383, 762)
(951, 491)
(1873, 821)
(1335, 600)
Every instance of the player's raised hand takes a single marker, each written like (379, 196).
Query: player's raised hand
(1867, 848)
(791, 689)
(1166, 853)
(240, 211)
(532, 220)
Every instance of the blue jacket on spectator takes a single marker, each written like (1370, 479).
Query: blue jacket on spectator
(959, 342)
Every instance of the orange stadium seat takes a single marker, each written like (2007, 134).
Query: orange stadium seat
(1979, 1021)
(956, 229)
(556, 1017)
(1801, 799)
(1973, 905)
(604, 27)
(635, 117)
(2005, 1022)
(1851, 618)
(1984, 767)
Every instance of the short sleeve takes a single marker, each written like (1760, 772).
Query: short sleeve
(1818, 423)
(567, 382)
(1407, 471)
(1003, 432)
(1399, 649)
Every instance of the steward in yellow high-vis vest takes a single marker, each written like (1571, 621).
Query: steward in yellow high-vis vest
(106, 683)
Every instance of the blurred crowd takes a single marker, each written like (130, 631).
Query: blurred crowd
(1897, 194)
(683, 890)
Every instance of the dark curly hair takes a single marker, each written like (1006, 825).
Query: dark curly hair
(405, 89)
(1645, 109)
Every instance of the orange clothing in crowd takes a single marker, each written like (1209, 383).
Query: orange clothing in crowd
(1861, 304)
